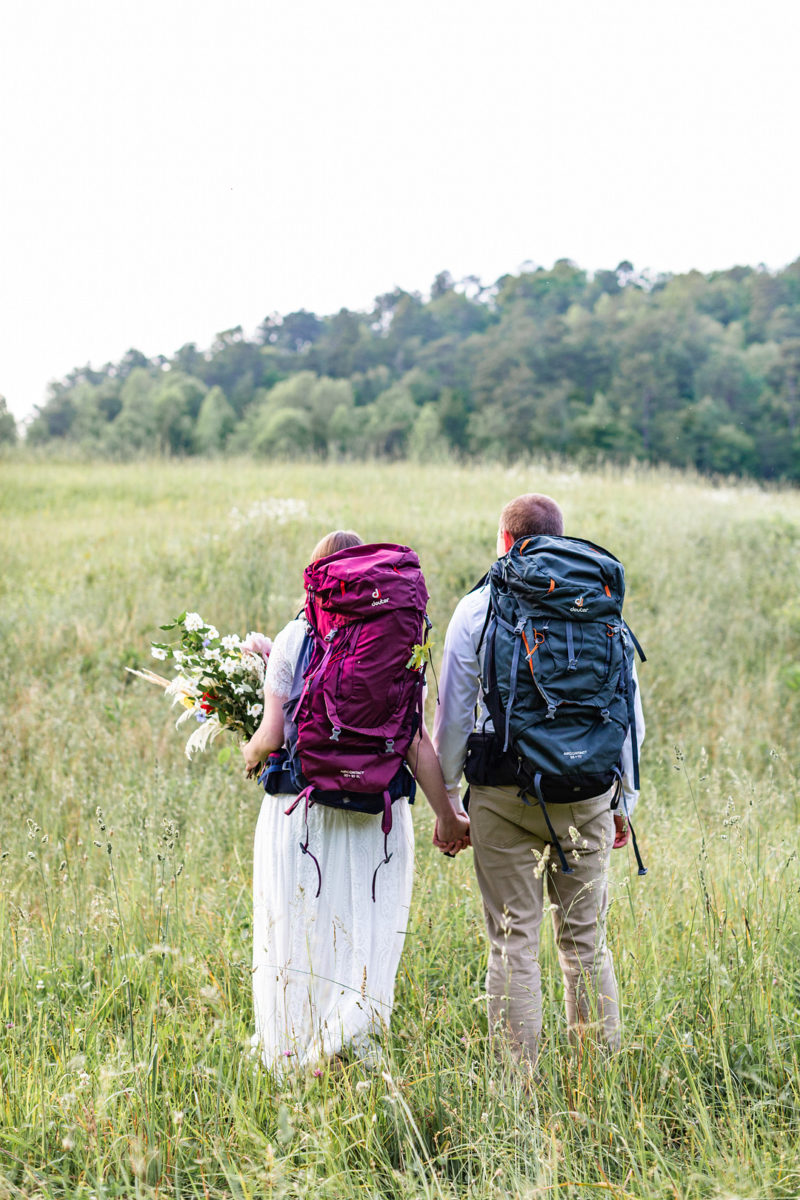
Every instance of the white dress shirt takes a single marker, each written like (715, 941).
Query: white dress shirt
(460, 690)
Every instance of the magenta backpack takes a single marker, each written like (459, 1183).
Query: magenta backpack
(356, 703)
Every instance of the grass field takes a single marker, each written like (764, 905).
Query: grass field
(125, 1008)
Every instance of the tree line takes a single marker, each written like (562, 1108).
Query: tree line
(689, 370)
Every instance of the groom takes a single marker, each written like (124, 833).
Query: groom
(514, 850)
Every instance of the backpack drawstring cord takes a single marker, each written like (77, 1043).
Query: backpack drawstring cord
(305, 796)
(619, 794)
(641, 866)
(386, 826)
(433, 673)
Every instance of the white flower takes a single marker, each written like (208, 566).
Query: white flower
(157, 652)
(231, 642)
(212, 633)
(254, 710)
(178, 656)
(193, 622)
(230, 665)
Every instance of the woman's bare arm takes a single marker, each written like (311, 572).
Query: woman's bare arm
(268, 736)
(452, 825)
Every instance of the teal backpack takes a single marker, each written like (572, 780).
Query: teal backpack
(558, 673)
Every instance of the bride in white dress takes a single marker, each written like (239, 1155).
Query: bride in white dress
(324, 966)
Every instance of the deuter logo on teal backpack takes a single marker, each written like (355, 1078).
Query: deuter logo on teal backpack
(558, 674)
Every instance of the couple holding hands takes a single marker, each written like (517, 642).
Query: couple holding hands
(328, 938)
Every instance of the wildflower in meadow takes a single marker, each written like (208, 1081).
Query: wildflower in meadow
(541, 861)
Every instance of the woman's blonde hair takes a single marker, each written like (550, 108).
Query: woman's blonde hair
(340, 539)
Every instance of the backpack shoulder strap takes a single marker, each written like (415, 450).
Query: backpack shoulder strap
(484, 579)
(301, 666)
(629, 696)
(485, 625)
(635, 641)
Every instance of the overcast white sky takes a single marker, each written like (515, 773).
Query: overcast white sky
(171, 168)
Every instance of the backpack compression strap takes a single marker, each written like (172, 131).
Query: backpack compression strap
(537, 786)
(518, 631)
(328, 651)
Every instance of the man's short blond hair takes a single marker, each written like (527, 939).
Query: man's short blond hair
(532, 514)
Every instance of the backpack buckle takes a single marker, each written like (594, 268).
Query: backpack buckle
(606, 715)
(389, 745)
(335, 733)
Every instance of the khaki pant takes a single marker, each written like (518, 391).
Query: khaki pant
(510, 838)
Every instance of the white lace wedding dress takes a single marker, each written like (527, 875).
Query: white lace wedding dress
(324, 966)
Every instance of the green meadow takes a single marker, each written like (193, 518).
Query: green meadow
(125, 922)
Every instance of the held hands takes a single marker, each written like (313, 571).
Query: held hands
(451, 833)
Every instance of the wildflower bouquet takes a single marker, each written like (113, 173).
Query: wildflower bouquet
(220, 680)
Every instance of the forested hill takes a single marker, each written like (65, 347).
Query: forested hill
(690, 370)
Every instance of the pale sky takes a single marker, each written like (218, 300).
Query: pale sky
(172, 168)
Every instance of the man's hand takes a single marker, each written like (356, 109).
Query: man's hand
(451, 833)
(622, 831)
